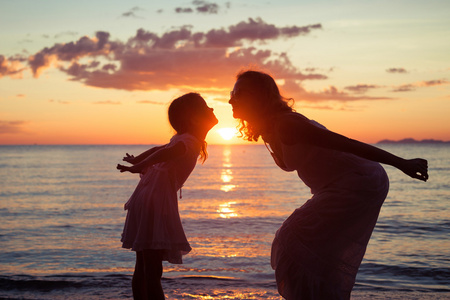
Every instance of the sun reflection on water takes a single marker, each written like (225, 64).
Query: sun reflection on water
(217, 293)
(225, 211)
(227, 174)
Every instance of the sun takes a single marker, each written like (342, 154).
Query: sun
(227, 133)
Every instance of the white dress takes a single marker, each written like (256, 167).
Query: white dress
(317, 251)
(153, 220)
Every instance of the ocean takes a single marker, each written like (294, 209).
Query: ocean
(61, 212)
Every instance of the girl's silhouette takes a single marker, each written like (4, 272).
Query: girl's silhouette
(153, 227)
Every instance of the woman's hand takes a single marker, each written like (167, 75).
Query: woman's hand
(416, 168)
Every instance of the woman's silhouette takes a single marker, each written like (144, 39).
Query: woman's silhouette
(317, 251)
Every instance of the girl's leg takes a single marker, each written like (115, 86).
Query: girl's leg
(138, 281)
(153, 273)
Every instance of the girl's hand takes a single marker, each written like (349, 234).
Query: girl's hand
(122, 168)
(416, 168)
(132, 169)
(129, 159)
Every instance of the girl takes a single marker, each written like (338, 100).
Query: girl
(153, 227)
(317, 251)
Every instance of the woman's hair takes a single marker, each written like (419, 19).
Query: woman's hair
(181, 111)
(269, 102)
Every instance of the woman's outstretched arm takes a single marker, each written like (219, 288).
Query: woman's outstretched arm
(160, 155)
(296, 130)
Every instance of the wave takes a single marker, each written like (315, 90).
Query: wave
(118, 286)
(397, 277)
(45, 284)
(409, 227)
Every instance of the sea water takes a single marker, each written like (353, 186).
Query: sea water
(61, 217)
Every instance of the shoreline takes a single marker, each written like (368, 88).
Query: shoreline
(118, 286)
(218, 293)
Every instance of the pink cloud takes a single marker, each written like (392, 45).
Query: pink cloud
(184, 59)
(295, 90)
(412, 86)
(397, 70)
(58, 101)
(11, 67)
(108, 102)
(152, 102)
(434, 82)
(361, 88)
(72, 51)
(12, 127)
(178, 58)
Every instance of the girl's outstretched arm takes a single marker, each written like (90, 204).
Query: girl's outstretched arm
(160, 155)
(134, 160)
(295, 130)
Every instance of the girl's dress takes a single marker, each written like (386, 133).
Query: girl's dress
(317, 251)
(153, 220)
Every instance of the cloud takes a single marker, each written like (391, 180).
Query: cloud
(257, 29)
(58, 101)
(404, 88)
(151, 102)
(109, 102)
(413, 86)
(341, 107)
(12, 127)
(72, 51)
(132, 13)
(206, 7)
(186, 60)
(294, 89)
(361, 88)
(397, 70)
(434, 82)
(203, 7)
(178, 58)
(183, 10)
(11, 67)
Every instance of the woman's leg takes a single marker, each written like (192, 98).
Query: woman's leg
(153, 273)
(138, 281)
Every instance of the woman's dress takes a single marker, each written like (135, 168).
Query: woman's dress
(317, 251)
(153, 220)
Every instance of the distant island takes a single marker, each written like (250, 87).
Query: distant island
(413, 141)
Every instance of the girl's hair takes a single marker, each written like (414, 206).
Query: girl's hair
(181, 111)
(269, 102)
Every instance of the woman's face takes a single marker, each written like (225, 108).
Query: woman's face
(243, 100)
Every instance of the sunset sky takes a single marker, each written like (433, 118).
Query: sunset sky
(103, 72)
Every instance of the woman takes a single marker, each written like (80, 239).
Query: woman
(317, 251)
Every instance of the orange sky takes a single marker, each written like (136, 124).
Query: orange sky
(364, 71)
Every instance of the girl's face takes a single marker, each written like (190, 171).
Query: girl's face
(242, 99)
(205, 116)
